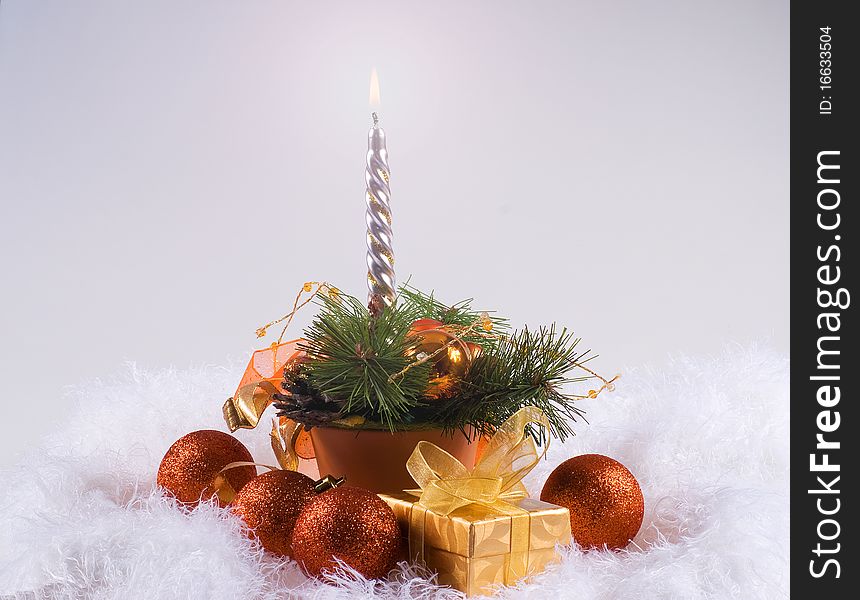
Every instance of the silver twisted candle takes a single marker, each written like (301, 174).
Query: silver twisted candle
(380, 254)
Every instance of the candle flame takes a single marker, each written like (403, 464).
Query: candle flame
(374, 88)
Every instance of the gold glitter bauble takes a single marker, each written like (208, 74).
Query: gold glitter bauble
(446, 368)
(604, 499)
(270, 504)
(351, 524)
(191, 469)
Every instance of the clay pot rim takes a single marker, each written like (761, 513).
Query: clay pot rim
(380, 428)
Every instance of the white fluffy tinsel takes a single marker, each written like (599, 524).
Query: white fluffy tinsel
(81, 517)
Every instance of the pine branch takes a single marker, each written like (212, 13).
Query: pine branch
(530, 369)
(351, 356)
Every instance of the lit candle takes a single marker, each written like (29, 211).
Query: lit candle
(380, 254)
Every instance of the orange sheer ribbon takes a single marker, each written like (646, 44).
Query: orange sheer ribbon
(262, 379)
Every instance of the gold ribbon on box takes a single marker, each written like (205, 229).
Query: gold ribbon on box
(495, 481)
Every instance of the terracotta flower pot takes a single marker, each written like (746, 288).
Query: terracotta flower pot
(376, 460)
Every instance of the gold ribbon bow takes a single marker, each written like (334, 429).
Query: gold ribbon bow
(446, 484)
(494, 482)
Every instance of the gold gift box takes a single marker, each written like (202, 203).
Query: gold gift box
(471, 548)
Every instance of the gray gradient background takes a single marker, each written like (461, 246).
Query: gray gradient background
(171, 172)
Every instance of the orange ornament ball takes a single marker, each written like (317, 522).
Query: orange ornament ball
(423, 325)
(270, 504)
(350, 524)
(604, 499)
(191, 469)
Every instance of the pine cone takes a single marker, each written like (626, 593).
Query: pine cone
(309, 418)
(301, 402)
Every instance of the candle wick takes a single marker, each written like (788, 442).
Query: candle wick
(375, 119)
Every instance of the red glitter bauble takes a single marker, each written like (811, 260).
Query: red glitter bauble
(604, 499)
(270, 504)
(351, 524)
(193, 463)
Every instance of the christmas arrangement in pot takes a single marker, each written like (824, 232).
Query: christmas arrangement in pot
(432, 414)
